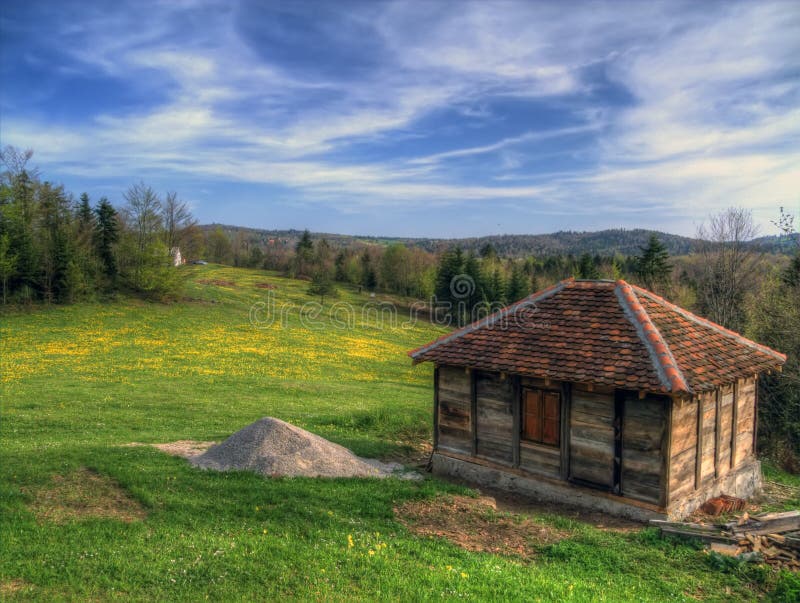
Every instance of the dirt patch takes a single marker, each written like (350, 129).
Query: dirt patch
(217, 282)
(184, 448)
(525, 505)
(265, 286)
(475, 524)
(83, 494)
(12, 587)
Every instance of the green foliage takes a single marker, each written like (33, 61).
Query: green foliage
(369, 278)
(587, 267)
(774, 320)
(8, 263)
(518, 286)
(85, 214)
(304, 255)
(106, 236)
(787, 588)
(219, 247)
(322, 285)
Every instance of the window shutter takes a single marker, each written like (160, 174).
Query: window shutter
(550, 418)
(533, 415)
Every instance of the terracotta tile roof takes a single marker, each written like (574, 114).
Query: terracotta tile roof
(606, 333)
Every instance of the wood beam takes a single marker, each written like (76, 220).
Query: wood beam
(473, 410)
(698, 466)
(435, 408)
(717, 431)
(735, 421)
(566, 405)
(619, 417)
(516, 419)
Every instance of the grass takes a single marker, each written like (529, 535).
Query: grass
(81, 382)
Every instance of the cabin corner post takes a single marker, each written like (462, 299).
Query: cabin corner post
(698, 467)
(435, 408)
(755, 415)
(566, 405)
(666, 452)
(717, 431)
(516, 418)
(619, 419)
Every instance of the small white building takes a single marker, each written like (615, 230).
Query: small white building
(177, 258)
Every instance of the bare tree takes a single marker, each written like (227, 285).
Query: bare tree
(177, 219)
(16, 161)
(143, 215)
(729, 265)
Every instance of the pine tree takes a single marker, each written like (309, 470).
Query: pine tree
(652, 267)
(84, 214)
(8, 263)
(322, 285)
(451, 265)
(587, 267)
(304, 255)
(791, 274)
(106, 235)
(451, 268)
(517, 284)
(369, 278)
(496, 290)
(475, 292)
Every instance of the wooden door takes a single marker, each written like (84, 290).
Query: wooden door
(592, 439)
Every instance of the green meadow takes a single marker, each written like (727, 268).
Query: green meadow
(81, 383)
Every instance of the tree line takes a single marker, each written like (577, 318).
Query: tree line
(58, 249)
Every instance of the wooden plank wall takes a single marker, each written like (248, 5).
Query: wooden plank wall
(683, 448)
(644, 444)
(725, 424)
(745, 418)
(495, 417)
(708, 404)
(592, 436)
(723, 433)
(455, 428)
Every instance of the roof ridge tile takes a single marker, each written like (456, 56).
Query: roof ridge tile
(665, 364)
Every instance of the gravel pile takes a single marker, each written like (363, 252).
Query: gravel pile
(273, 447)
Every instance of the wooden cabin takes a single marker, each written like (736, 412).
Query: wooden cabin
(599, 394)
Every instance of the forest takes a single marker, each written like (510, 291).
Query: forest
(56, 248)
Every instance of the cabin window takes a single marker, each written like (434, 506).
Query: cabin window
(541, 417)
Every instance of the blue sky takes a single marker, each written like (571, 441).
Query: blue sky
(414, 118)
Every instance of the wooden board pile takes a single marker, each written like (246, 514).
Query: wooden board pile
(773, 537)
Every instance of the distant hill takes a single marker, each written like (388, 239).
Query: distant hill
(778, 243)
(601, 242)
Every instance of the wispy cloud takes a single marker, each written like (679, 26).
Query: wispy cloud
(606, 108)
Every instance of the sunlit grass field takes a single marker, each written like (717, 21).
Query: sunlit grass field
(80, 383)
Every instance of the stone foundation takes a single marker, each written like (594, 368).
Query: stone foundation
(744, 482)
(544, 490)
